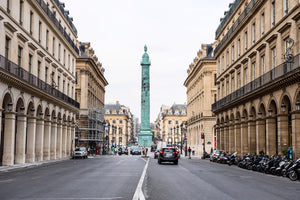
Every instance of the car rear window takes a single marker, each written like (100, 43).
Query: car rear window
(168, 150)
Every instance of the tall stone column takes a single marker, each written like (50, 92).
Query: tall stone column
(231, 137)
(244, 136)
(47, 139)
(218, 137)
(251, 136)
(21, 139)
(260, 135)
(31, 130)
(282, 132)
(271, 135)
(296, 134)
(39, 139)
(53, 141)
(237, 131)
(9, 139)
(64, 139)
(222, 137)
(226, 137)
(69, 140)
(59, 140)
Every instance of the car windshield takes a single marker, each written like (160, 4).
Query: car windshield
(80, 149)
(168, 150)
(136, 148)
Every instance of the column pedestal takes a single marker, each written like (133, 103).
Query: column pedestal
(9, 139)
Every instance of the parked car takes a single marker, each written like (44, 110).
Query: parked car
(125, 150)
(168, 154)
(136, 150)
(156, 152)
(79, 152)
(214, 156)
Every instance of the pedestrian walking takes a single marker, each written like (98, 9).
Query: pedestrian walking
(189, 151)
(113, 150)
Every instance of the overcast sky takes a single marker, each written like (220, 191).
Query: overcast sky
(173, 30)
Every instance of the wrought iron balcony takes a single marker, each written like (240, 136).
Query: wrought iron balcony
(267, 78)
(24, 75)
(57, 24)
(235, 25)
(232, 8)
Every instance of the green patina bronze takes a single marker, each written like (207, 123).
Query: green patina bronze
(145, 134)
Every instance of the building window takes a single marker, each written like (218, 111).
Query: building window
(64, 82)
(64, 57)
(246, 41)
(245, 76)
(262, 23)
(53, 46)
(106, 111)
(47, 39)
(40, 31)
(114, 112)
(170, 130)
(263, 65)
(170, 121)
(273, 11)
(223, 63)
(274, 57)
(58, 82)
(183, 112)
(239, 47)
(227, 87)
(20, 56)
(75, 96)
(227, 59)
(76, 77)
(21, 12)
(253, 33)
(239, 80)
(285, 7)
(232, 84)
(232, 53)
(68, 89)
(121, 122)
(31, 22)
(69, 62)
(253, 71)
(114, 121)
(29, 63)
(46, 74)
(176, 112)
(59, 51)
(8, 6)
(39, 69)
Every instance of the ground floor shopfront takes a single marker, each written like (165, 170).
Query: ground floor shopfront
(268, 123)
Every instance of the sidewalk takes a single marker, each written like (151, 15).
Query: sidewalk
(27, 165)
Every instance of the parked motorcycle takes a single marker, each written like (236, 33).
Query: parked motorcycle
(294, 170)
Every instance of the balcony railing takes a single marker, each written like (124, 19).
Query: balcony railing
(24, 75)
(232, 8)
(261, 81)
(57, 24)
(235, 25)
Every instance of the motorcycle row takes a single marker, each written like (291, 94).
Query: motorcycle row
(276, 165)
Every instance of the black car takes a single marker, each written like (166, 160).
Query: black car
(168, 154)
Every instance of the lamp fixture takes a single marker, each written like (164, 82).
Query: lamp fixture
(270, 112)
(283, 107)
(298, 105)
(9, 106)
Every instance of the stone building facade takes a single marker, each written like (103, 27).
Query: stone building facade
(158, 124)
(258, 98)
(37, 81)
(90, 92)
(171, 121)
(119, 124)
(201, 93)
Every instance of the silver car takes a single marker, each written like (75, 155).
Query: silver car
(79, 152)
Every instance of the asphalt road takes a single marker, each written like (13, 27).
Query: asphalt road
(201, 179)
(107, 177)
(117, 177)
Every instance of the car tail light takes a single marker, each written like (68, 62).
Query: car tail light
(214, 154)
(161, 152)
(175, 152)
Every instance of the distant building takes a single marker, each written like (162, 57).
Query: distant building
(90, 92)
(118, 119)
(171, 121)
(201, 93)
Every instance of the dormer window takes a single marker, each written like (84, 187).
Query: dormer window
(183, 112)
(107, 111)
(176, 112)
(170, 112)
(114, 112)
(120, 111)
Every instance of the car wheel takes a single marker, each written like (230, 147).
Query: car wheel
(176, 162)
(159, 161)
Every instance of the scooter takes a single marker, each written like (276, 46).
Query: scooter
(294, 170)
